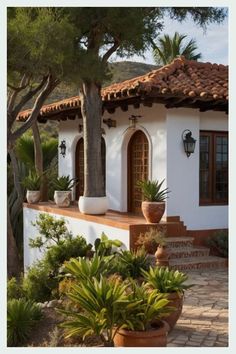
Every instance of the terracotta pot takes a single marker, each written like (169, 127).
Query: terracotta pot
(176, 300)
(32, 197)
(62, 198)
(162, 256)
(156, 337)
(153, 211)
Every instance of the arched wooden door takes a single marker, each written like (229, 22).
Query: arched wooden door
(137, 169)
(79, 165)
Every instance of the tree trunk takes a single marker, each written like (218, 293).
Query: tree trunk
(38, 161)
(91, 109)
(13, 262)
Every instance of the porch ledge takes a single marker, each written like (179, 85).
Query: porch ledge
(111, 218)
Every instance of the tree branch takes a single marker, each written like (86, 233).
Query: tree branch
(110, 51)
(49, 87)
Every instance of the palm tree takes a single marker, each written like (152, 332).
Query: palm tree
(169, 48)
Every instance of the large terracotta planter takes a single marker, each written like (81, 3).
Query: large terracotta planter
(62, 198)
(153, 211)
(32, 197)
(156, 337)
(176, 300)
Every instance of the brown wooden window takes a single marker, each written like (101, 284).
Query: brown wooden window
(213, 167)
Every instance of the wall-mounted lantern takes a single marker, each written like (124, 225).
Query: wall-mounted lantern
(133, 120)
(62, 147)
(188, 141)
(111, 123)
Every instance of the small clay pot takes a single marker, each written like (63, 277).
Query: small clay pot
(153, 211)
(62, 198)
(32, 197)
(162, 256)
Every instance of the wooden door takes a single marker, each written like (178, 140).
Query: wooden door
(137, 169)
(79, 165)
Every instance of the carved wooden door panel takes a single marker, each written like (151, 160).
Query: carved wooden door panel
(137, 169)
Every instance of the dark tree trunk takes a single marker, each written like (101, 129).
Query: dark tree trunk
(13, 262)
(91, 108)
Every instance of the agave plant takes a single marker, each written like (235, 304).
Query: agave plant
(103, 246)
(131, 263)
(83, 269)
(103, 305)
(32, 182)
(64, 183)
(165, 280)
(152, 192)
(21, 316)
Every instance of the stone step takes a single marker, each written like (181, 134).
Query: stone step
(179, 242)
(208, 262)
(188, 252)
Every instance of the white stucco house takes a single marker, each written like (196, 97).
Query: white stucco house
(144, 122)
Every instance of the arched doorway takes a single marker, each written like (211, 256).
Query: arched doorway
(138, 153)
(79, 165)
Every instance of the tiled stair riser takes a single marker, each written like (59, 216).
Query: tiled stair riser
(190, 252)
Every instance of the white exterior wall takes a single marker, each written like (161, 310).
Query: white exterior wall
(167, 159)
(89, 230)
(183, 172)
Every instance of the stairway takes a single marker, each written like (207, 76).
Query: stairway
(183, 255)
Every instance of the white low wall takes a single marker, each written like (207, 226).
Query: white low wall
(89, 230)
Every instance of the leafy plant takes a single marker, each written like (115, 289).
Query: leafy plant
(147, 307)
(64, 183)
(219, 242)
(32, 182)
(50, 229)
(152, 192)
(64, 250)
(151, 239)
(14, 288)
(103, 246)
(21, 317)
(39, 282)
(165, 280)
(83, 269)
(131, 263)
(103, 304)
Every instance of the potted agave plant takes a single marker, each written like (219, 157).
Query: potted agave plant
(171, 283)
(153, 206)
(32, 183)
(120, 314)
(63, 186)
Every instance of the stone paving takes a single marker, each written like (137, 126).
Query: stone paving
(204, 319)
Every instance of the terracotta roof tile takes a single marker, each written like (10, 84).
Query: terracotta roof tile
(181, 78)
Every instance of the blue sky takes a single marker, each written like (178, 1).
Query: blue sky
(213, 44)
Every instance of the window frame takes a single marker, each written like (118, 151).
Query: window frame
(212, 134)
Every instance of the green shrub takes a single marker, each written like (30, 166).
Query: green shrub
(104, 247)
(39, 282)
(219, 243)
(14, 288)
(51, 230)
(131, 263)
(21, 317)
(64, 250)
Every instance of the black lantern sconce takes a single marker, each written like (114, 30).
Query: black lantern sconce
(188, 141)
(111, 123)
(62, 147)
(133, 120)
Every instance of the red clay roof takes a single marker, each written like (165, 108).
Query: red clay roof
(181, 78)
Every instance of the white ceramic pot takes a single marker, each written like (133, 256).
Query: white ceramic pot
(93, 205)
(32, 197)
(62, 198)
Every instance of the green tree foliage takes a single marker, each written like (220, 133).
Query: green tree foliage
(168, 48)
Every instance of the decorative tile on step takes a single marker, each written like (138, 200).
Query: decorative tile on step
(188, 252)
(209, 262)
